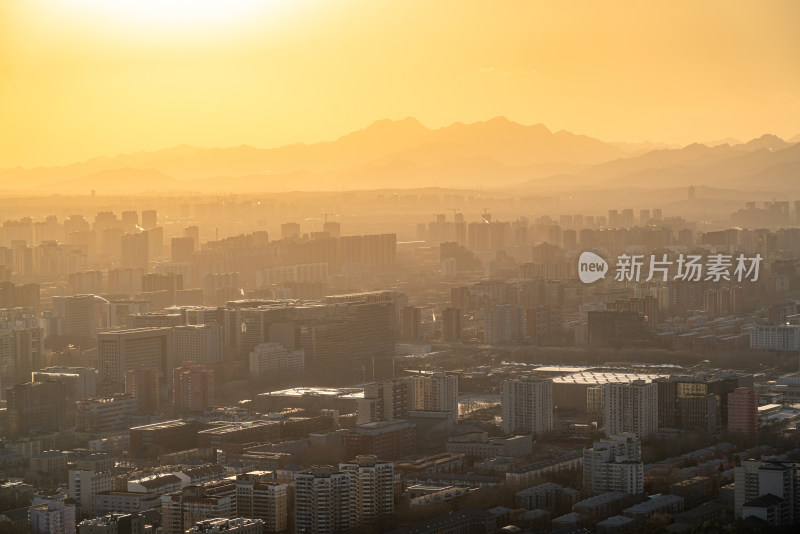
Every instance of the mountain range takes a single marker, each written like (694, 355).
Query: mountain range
(495, 154)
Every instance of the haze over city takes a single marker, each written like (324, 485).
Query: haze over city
(412, 267)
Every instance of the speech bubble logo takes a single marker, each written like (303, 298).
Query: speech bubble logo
(591, 267)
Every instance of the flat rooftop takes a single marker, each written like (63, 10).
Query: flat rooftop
(597, 378)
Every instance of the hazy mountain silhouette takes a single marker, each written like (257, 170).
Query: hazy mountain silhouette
(764, 164)
(404, 153)
(506, 142)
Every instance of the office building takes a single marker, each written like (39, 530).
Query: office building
(75, 315)
(35, 407)
(614, 464)
(274, 361)
(389, 439)
(699, 413)
(371, 490)
(114, 523)
(323, 500)
(244, 432)
(775, 337)
(143, 384)
(168, 436)
(527, 406)
(121, 350)
(743, 413)
(79, 382)
(609, 325)
(199, 343)
(192, 388)
(105, 414)
(153, 320)
(631, 407)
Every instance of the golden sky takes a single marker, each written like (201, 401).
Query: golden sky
(80, 78)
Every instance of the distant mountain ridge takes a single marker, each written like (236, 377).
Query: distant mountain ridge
(496, 153)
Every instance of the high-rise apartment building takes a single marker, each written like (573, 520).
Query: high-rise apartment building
(290, 230)
(19, 296)
(260, 497)
(84, 484)
(149, 219)
(527, 406)
(135, 250)
(183, 509)
(436, 392)
(52, 517)
(371, 490)
(192, 388)
(323, 500)
(412, 323)
(182, 249)
(155, 242)
(21, 346)
(771, 492)
(451, 324)
(383, 401)
(614, 464)
(505, 324)
(85, 283)
(631, 407)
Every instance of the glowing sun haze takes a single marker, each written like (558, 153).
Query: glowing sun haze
(80, 78)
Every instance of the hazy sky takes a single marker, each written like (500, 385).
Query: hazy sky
(80, 78)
